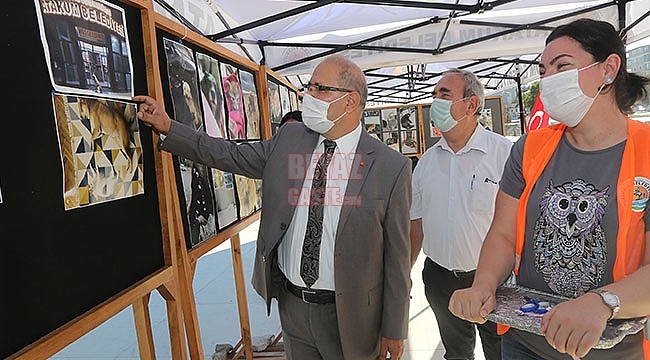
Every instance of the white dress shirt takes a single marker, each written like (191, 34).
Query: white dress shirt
(290, 248)
(454, 194)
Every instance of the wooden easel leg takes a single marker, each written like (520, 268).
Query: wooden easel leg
(242, 301)
(143, 330)
(175, 319)
(190, 317)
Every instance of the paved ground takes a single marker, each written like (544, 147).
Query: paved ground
(218, 320)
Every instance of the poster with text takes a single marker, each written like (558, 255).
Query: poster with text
(86, 47)
(211, 96)
(101, 152)
(251, 107)
(234, 102)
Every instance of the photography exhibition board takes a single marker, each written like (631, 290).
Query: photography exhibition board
(68, 269)
(398, 126)
(229, 65)
(282, 98)
(211, 199)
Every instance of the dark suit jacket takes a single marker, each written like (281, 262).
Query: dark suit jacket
(372, 250)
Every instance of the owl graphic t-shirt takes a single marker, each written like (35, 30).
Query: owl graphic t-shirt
(571, 229)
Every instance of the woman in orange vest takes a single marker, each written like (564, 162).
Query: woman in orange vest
(571, 213)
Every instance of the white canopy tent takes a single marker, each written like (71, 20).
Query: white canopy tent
(402, 45)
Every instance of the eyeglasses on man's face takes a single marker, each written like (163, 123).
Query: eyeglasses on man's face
(314, 88)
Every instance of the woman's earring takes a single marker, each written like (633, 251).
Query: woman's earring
(608, 80)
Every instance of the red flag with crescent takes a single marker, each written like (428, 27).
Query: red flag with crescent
(538, 117)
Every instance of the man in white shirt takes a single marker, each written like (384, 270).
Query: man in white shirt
(454, 187)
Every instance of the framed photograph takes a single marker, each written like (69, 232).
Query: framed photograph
(199, 201)
(293, 97)
(246, 194)
(408, 118)
(285, 101)
(251, 106)
(212, 99)
(389, 119)
(234, 102)
(83, 54)
(492, 116)
(101, 151)
(409, 143)
(372, 122)
(391, 139)
(258, 194)
(182, 74)
(224, 194)
(275, 107)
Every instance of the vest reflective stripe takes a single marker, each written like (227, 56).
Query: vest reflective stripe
(630, 241)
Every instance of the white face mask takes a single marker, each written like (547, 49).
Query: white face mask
(440, 114)
(314, 113)
(563, 99)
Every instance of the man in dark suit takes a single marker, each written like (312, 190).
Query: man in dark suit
(334, 250)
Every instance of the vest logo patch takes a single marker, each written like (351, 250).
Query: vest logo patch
(641, 193)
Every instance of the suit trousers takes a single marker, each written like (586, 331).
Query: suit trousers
(458, 336)
(309, 331)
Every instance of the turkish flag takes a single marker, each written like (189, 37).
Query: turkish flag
(538, 117)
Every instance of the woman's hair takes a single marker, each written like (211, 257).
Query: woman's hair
(600, 39)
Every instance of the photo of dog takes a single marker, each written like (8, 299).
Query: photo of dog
(247, 195)
(101, 152)
(182, 75)
(249, 91)
(211, 96)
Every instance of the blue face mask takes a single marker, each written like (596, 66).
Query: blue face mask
(440, 114)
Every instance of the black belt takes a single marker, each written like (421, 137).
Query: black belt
(312, 296)
(458, 274)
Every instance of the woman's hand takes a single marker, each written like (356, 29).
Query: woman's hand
(472, 304)
(575, 326)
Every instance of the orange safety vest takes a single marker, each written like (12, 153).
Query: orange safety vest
(635, 172)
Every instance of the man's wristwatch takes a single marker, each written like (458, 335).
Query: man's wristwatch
(610, 299)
